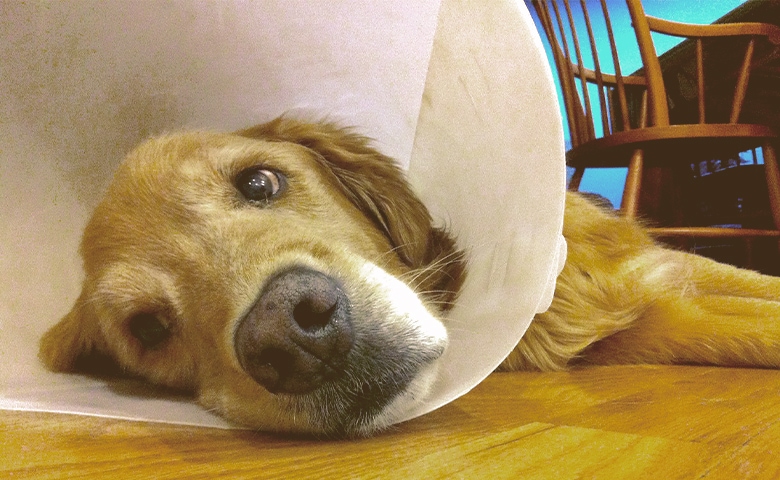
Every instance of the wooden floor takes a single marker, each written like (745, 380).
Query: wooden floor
(604, 422)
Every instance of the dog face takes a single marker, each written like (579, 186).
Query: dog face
(286, 274)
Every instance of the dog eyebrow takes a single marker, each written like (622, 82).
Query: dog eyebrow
(126, 288)
(236, 158)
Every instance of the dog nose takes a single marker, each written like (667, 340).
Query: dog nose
(297, 335)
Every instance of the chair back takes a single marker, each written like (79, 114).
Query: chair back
(606, 97)
(595, 101)
(717, 58)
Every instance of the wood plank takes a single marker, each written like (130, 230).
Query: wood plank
(546, 451)
(599, 422)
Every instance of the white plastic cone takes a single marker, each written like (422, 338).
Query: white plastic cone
(473, 116)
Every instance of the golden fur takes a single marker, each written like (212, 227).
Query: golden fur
(622, 298)
(174, 239)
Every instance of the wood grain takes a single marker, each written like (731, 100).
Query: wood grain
(601, 422)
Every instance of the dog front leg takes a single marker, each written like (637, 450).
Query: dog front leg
(721, 316)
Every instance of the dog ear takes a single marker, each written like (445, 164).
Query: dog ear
(73, 338)
(375, 184)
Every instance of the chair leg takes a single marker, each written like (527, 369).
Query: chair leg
(772, 180)
(629, 204)
(574, 183)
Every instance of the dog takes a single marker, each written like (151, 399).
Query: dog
(289, 277)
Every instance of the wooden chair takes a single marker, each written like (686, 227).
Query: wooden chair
(634, 127)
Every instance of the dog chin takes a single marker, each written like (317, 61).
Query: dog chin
(399, 407)
(341, 413)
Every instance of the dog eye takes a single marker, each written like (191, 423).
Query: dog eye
(259, 185)
(148, 329)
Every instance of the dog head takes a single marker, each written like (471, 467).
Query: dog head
(286, 274)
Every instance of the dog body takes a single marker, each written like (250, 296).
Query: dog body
(289, 277)
(622, 298)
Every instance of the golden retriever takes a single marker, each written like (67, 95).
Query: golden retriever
(288, 276)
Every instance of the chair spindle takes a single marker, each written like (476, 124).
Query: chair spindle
(581, 65)
(597, 70)
(700, 77)
(619, 85)
(742, 82)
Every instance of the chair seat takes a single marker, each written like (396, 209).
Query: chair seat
(712, 232)
(663, 145)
